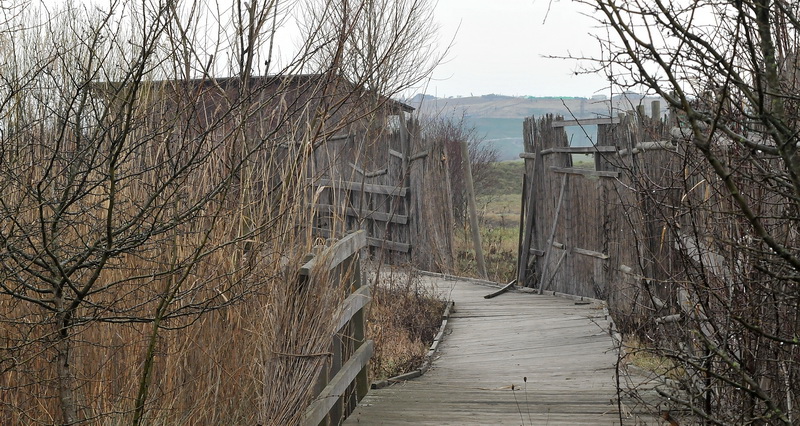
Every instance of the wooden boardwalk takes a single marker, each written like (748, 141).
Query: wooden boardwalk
(562, 348)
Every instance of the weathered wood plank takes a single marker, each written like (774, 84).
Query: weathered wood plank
(591, 253)
(550, 239)
(374, 242)
(337, 253)
(353, 304)
(365, 214)
(586, 122)
(397, 154)
(389, 245)
(649, 146)
(367, 187)
(584, 172)
(330, 395)
(578, 150)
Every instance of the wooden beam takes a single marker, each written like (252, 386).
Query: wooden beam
(337, 253)
(397, 154)
(356, 168)
(418, 155)
(552, 233)
(649, 146)
(586, 122)
(366, 187)
(555, 270)
(339, 137)
(330, 395)
(580, 149)
(528, 209)
(352, 305)
(591, 253)
(668, 319)
(381, 216)
(584, 172)
(364, 173)
(389, 245)
(374, 242)
(473, 211)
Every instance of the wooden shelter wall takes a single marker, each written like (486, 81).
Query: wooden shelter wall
(405, 212)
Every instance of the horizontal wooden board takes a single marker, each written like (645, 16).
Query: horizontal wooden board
(584, 172)
(318, 409)
(353, 304)
(334, 255)
(365, 214)
(374, 242)
(366, 187)
(579, 150)
(591, 253)
(389, 245)
(586, 122)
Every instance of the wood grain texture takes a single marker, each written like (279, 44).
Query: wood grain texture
(563, 350)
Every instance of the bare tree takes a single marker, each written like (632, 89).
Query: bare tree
(144, 192)
(374, 35)
(729, 71)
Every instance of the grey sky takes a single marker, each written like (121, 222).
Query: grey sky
(500, 45)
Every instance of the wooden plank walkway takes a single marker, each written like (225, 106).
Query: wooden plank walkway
(561, 347)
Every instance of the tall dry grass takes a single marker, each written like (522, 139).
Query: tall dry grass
(404, 317)
(188, 306)
(153, 217)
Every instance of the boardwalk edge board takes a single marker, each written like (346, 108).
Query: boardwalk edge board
(428, 357)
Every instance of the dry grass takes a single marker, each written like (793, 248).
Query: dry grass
(645, 358)
(404, 318)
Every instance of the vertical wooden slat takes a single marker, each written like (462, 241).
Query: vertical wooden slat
(549, 248)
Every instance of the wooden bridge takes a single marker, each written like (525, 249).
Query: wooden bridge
(518, 358)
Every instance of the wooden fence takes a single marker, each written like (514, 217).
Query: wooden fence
(344, 380)
(587, 229)
(389, 184)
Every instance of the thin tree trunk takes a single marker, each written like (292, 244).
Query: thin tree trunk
(66, 378)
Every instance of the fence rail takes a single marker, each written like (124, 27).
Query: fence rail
(344, 382)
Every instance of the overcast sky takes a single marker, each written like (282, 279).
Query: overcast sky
(500, 47)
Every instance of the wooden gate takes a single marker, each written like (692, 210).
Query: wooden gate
(563, 231)
(582, 227)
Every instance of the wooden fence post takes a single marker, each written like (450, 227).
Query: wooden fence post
(473, 210)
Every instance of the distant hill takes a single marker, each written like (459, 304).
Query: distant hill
(499, 118)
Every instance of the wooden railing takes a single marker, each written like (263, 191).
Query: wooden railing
(343, 383)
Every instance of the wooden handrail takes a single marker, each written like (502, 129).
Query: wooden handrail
(336, 388)
(337, 253)
(334, 403)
